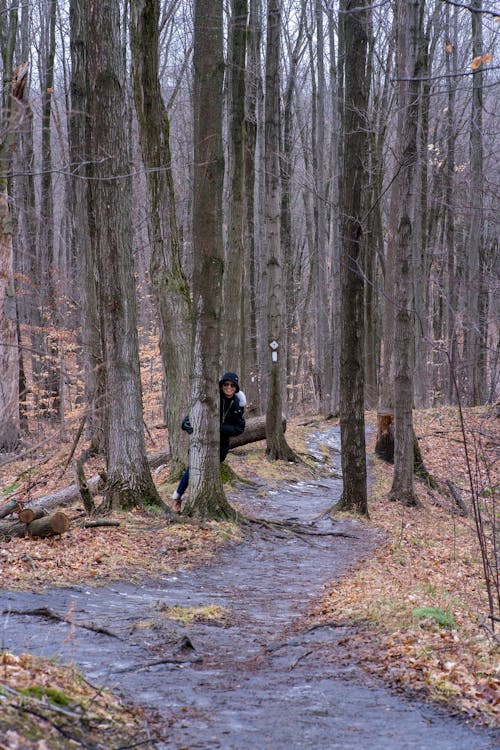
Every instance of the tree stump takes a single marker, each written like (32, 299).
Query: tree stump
(384, 446)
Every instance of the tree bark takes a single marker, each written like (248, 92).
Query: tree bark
(277, 446)
(352, 423)
(81, 215)
(409, 30)
(129, 481)
(169, 282)
(234, 291)
(206, 496)
(11, 116)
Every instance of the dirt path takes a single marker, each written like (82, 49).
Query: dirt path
(258, 681)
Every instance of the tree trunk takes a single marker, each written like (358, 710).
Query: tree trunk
(322, 325)
(206, 496)
(234, 291)
(277, 446)
(409, 30)
(169, 282)
(251, 374)
(46, 255)
(129, 481)
(474, 343)
(12, 113)
(81, 214)
(352, 423)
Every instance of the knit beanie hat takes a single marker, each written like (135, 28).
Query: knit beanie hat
(232, 377)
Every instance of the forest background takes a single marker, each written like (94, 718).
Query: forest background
(335, 243)
(302, 192)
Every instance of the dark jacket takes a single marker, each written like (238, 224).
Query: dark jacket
(232, 421)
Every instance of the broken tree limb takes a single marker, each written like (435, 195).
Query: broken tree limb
(83, 488)
(457, 497)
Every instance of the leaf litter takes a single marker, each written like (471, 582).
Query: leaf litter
(430, 560)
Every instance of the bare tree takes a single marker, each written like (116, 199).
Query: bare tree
(206, 496)
(277, 446)
(234, 291)
(129, 481)
(167, 275)
(81, 215)
(11, 115)
(253, 89)
(409, 24)
(352, 422)
(474, 333)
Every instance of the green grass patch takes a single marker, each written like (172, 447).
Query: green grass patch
(435, 614)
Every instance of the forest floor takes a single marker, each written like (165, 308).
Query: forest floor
(412, 612)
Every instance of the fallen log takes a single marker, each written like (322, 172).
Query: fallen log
(8, 508)
(27, 515)
(255, 430)
(57, 523)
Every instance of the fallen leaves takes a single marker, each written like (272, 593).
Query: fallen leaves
(140, 547)
(418, 603)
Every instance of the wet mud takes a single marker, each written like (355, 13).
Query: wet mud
(255, 678)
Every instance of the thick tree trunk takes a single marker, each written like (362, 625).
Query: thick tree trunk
(277, 446)
(169, 282)
(352, 423)
(10, 118)
(129, 481)
(206, 496)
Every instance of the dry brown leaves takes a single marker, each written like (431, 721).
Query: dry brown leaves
(431, 560)
(141, 546)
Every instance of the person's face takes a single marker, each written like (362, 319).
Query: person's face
(228, 388)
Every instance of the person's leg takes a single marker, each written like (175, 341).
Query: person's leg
(177, 496)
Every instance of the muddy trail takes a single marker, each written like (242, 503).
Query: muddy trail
(257, 679)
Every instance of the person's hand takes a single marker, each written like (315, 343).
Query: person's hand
(186, 425)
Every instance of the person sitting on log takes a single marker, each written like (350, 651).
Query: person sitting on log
(232, 423)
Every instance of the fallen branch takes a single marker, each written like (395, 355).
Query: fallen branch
(457, 497)
(51, 615)
(293, 528)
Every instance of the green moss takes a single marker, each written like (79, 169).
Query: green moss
(53, 694)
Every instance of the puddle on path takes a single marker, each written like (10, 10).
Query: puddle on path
(257, 683)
